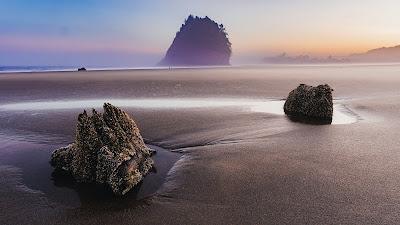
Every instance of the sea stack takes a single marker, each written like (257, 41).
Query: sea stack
(108, 149)
(310, 104)
(199, 42)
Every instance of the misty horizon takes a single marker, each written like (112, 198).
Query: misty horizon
(138, 34)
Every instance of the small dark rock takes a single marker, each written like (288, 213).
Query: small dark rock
(310, 104)
(108, 149)
(82, 69)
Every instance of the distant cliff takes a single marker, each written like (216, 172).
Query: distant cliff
(385, 54)
(301, 59)
(378, 55)
(199, 42)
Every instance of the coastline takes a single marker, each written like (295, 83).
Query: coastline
(109, 69)
(161, 68)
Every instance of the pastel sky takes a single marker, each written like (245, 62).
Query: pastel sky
(137, 33)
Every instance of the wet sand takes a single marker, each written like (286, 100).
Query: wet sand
(235, 165)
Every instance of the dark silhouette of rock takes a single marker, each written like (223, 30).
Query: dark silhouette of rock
(200, 41)
(108, 149)
(310, 104)
(82, 69)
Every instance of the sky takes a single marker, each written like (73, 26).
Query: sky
(137, 33)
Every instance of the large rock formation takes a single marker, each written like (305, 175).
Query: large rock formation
(314, 104)
(108, 149)
(200, 41)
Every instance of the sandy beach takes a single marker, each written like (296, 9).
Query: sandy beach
(220, 159)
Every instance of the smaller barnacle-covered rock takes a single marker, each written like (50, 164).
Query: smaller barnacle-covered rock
(108, 149)
(310, 104)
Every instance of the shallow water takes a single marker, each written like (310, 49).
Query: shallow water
(341, 115)
(38, 177)
(30, 150)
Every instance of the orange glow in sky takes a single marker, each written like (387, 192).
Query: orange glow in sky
(255, 27)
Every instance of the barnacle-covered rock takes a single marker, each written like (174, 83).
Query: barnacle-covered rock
(108, 149)
(310, 104)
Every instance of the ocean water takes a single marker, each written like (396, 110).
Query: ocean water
(32, 69)
(20, 69)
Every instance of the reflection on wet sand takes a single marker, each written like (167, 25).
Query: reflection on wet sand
(38, 175)
(341, 114)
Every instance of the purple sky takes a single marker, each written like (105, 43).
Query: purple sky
(137, 33)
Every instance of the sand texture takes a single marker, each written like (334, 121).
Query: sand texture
(235, 166)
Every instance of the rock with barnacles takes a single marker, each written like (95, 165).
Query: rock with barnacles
(310, 104)
(108, 149)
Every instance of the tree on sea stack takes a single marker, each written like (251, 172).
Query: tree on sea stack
(199, 42)
(108, 149)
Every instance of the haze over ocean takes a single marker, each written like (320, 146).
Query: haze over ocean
(137, 33)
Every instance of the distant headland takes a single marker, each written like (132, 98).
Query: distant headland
(384, 54)
(302, 59)
(199, 42)
(378, 55)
